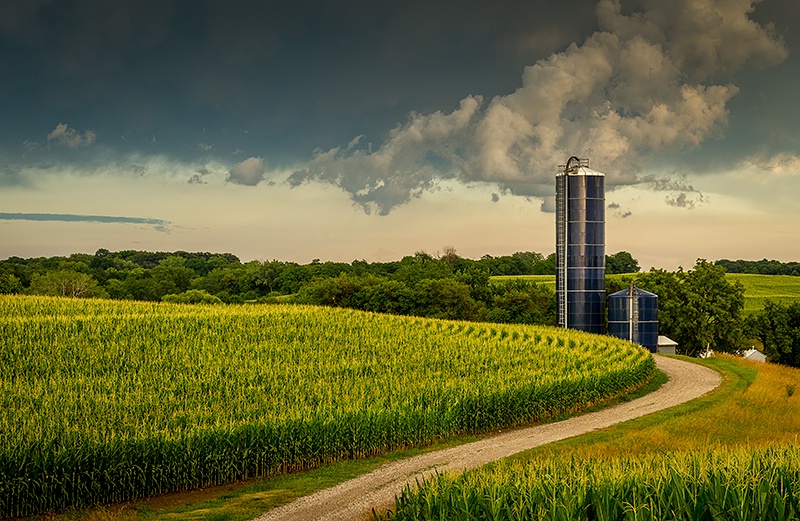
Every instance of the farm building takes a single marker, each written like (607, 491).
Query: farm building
(755, 355)
(633, 316)
(580, 246)
(666, 345)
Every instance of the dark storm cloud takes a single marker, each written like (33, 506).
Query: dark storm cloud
(431, 89)
(653, 79)
(158, 224)
(297, 75)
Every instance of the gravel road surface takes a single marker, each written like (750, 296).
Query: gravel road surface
(354, 500)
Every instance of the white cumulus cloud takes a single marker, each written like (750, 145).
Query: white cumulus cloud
(648, 81)
(249, 172)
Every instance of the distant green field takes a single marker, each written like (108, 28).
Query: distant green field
(757, 288)
(547, 280)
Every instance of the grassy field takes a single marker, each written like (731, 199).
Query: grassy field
(757, 288)
(108, 401)
(546, 280)
(735, 448)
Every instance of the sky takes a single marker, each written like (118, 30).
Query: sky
(355, 129)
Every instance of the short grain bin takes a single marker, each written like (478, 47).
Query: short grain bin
(633, 316)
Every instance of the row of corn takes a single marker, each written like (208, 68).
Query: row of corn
(105, 401)
(737, 484)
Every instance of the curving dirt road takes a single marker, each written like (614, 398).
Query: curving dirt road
(354, 499)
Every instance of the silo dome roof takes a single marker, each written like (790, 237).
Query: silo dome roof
(639, 292)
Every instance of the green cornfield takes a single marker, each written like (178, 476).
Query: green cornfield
(109, 401)
(718, 484)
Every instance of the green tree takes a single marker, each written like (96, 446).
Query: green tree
(9, 283)
(714, 308)
(421, 266)
(66, 283)
(444, 298)
(192, 296)
(385, 296)
(263, 276)
(546, 266)
(621, 262)
(700, 309)
(520, 301)
(326, 291)
(777, 326)
(172, 276)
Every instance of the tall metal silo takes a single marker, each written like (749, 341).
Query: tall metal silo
(580, 246)
(633, 316)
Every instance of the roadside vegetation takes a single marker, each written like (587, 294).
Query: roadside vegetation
(729, 455)
(104, 401)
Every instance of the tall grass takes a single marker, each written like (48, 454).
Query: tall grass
(732, 454)
(739, 484)
(112, 401)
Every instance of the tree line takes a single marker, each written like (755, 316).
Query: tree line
(143, 275)
(698, 308)
(761, 267)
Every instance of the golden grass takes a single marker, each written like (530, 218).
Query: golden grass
(757, 405)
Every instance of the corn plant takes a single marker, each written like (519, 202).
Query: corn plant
(740, 484)
(106, 401)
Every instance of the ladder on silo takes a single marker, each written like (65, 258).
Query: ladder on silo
(561, 255)
(633, 315)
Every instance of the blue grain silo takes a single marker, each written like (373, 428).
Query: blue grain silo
(633, 316)
(580, 246)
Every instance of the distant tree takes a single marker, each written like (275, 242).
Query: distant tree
(192, 296)
(385, 296)
(546, 266)
(66, 283)
(421, 266)
(172, 276)
(520, 301)
(9, 283)
(477, 278)
(138, 284)
(327, 291)
(777, 326)
(761, 267)
(449, 256)
(700, 309)
(291, 278)
(262, 277)
(365, 292)
(444, 298)
(621, 262)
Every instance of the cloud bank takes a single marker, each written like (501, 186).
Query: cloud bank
(653, 80)
(158, 224)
